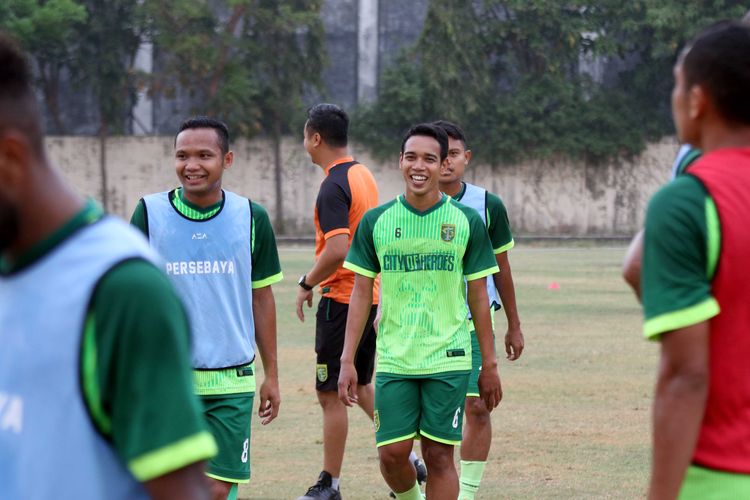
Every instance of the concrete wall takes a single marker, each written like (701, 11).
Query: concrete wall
(553, 198)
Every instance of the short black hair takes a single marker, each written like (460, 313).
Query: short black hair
(453, 131)
(222, 131)
(718, 59)
(331, 122)
(429, 130)
(19, 109)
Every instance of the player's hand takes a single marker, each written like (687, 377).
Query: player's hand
(302, 297)
(270, 399)
(514, 343)
(348, 384)
(490, 389)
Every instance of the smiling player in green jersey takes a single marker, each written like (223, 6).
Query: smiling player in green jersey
(424, 245)
(477, 437)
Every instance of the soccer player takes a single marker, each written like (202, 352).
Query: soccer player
(221, 255)
(477, 436)
(346, 193)
(686, 155)
(695, 299)
(424, 245)
(95, 391)
(631, 268)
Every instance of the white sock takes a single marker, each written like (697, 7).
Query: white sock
(335, 483)
(412, 456)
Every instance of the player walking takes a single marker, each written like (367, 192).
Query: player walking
(477, 436)
(221, 255)
(424, 245)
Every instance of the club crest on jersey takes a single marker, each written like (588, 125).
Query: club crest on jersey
(376, 420)
(322, 373)
(447, 232)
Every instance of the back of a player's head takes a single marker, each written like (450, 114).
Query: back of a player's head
(718, 59)
(453, 131)
(222, 132)
(19, 110)
(331, 122)
(429, 130)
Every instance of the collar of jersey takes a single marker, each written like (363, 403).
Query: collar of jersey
(90, 213)
(461, 193)
(192, 211)
(443, 199)
(345, 159)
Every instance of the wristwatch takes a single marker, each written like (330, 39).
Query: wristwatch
(302, 283)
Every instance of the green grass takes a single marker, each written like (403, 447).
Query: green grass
(574, 421)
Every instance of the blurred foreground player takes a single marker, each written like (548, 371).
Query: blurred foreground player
(95, 390)
(695, 297)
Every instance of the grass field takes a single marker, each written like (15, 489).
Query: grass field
(574, 420)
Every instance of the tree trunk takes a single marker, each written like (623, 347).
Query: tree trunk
(276, 138)
(50, 75)
(103, 163)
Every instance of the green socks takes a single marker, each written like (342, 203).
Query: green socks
(471, 476)
(413, 494)
(233, 492)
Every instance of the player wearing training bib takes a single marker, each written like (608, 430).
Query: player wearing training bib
(423, 245)
(477, 434)
(95, 391)
(220, 253)
(695, 299)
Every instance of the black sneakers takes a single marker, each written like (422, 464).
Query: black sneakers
(323, 489)
(421, 471)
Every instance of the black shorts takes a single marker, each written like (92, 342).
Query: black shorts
(330, 326)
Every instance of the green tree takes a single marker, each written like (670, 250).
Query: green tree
(247, 62)
(104, 65)
(514, 74)
(200, 52)
(284, 41)
(48, 31)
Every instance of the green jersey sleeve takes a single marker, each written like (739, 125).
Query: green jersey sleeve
(680, 251)
(266, 266)
(479, 261)
(362, 257)
(138, 219)
(136, 372)
(498, 225)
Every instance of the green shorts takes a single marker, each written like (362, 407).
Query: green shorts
(430, 405)
(227, 396)
(708, 484)
(472, 391)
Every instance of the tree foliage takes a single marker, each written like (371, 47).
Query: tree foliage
(49, 32)
(537, 78)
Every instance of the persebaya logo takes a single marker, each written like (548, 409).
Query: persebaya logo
(447, 232)
(322, 372)
(376, 420)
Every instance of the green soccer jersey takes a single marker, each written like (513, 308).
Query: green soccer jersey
(680, 254)
(423, 258)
